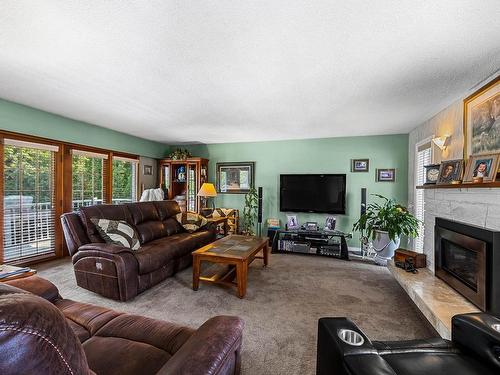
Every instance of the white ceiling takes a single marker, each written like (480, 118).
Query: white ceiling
(228, 70)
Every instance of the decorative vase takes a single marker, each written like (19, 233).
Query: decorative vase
(384, 247)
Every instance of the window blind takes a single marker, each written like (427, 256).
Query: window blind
(29, 200)
(124, 180)
(423, 158)
(31, 145)
(89, 178)
(89, 154)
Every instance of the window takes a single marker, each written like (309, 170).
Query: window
(124, 180)
(29, 197)
(423, 157)
(88, 178)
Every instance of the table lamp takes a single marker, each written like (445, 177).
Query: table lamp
(206, 191)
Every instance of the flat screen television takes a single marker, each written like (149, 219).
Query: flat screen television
(323, 193)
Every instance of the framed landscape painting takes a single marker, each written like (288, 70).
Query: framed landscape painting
(482, 120)
(235, 177)
(385, 175)
(360, 165)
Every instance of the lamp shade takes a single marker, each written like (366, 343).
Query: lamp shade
(207, 190)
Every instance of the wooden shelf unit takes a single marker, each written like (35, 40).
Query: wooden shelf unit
(484, 185)
(195, 174)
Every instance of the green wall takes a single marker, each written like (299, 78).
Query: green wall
(326, 155)
(22, 119)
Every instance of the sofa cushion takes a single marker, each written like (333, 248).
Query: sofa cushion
(158, 253)
(167, 209)
(191, 221)
(134, 345)
(117, 232)
(103, 211)
(172, 226)
(147, 221)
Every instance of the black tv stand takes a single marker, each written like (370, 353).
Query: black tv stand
(313, 242)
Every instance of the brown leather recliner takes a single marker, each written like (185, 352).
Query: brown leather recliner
(118, 272)
(42, 333)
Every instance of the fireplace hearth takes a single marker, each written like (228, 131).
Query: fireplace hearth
(467, 258)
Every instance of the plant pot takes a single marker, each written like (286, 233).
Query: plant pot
(384, 247)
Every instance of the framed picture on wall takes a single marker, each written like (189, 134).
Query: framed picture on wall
(385, 175)
(360, 165)
(148, 170)
(235, 177)
(482, 120)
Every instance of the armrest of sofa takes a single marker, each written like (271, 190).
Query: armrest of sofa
(212, 350)
(38, 286)
(335, 356)
(211, 226)
(476, 334)
(105, 247)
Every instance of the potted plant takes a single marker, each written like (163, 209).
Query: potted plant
(385, 224)
(250, 212)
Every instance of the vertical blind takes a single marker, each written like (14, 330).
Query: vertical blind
(89, 172)
(423, 158)
(124, 180)
(28, 199)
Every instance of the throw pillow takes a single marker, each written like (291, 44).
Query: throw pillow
(117, 232)
(191, 221)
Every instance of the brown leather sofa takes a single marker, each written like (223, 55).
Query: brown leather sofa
(121, 273)
(42, 333)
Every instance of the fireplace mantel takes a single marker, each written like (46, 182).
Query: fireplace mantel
(484, 185)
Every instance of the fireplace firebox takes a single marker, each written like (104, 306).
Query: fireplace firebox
(467, 257)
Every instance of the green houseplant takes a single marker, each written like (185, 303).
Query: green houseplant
(384, 224)
(250, 212)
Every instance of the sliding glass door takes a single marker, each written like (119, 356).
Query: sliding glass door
(29, 200)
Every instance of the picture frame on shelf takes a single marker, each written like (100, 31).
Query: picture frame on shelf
(330, 223)
(292, 222)
(484, 166)
(482, 120)
(235, 177)
(450, 170)
(360, 165)
(385, 175)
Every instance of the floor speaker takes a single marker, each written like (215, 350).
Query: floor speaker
(259, 210)
(363, 200)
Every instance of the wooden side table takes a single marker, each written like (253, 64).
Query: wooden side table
(9, 268)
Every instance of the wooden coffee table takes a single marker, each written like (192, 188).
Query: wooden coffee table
(234, 250)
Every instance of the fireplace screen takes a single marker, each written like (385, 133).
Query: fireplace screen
(460, 262)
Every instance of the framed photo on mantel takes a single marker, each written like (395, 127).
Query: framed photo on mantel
(235, 177)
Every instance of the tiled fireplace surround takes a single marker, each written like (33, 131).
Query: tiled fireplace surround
(471, 206)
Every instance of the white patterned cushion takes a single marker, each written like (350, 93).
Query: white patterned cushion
(117, 232)
(191, 221)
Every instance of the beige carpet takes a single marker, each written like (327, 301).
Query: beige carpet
(281, 309)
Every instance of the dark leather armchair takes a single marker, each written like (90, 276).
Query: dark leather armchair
(43, 333)
(343, 349)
